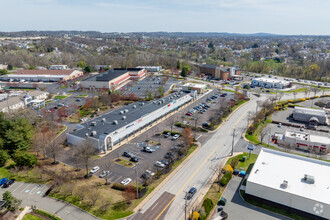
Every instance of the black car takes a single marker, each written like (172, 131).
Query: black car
(134, 159)
(169, 155)
(8, 183)
(191, 193)
(164, 162)
(167, 135)
(128, 154)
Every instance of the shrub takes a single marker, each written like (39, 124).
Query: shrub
(225, 179)
(121, 187)
(208, 206)
(24, 158)
(46, 214)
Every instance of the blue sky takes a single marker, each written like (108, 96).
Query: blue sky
(235, 16)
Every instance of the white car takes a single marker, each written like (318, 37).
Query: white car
(126, 181)
(150, 172)
(95, 169)
(159, 164)
(176, 136)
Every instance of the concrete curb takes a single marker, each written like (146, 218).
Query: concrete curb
(138, 207)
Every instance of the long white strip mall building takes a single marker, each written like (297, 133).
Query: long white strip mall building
(116, 126)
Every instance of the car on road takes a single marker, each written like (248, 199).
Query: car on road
(222, 201)
(159, 164)
(167, 135)
(126, 181)
(2, 181)
(147, 149)
(78, 100)
(176, 136)
(104, 173)
(191, 193)
(95, 169)
(8, 183)
(279, 125)
(134, 159)
(128, 154)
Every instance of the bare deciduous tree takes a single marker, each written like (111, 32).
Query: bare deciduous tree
(93, 196)
(86, 150)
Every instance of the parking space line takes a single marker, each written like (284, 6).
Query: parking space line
(18, 187)
(26, 187)
(115, 180)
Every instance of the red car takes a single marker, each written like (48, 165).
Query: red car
(189, 114)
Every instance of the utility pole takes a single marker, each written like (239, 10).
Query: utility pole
(232, 144)
(136, 181)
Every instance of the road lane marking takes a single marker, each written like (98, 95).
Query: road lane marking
(26, 187)
(186, 183)
(198, 137)
(18, 187)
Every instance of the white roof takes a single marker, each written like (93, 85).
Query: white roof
(308, 111)
(195, 85)
(273, 167)
(307, 137)
(271, 80)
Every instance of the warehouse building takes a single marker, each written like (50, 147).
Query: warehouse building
(42, 75)
(294, 183)
(151, 68)
(116, 126)
(271, 83)
(113, 78)
(313, 117)
(303, 140)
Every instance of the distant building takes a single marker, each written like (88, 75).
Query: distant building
(312, 116)
(33, 98)
(151, 68)
(3, 67)
(43, 75)
(218, 72)
(303, 141)
(200, 88)
(271, 83)
(58, 67)
(290, 182)
(113, 78)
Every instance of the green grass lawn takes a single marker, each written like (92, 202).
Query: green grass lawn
(124, 162)
(61, 97)
(82, 96)
(31, 217)
(30, 176)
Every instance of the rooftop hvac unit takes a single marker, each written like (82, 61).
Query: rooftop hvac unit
(126, 110)
(93, 133)
(142, 103)
(124, 117)
(86, 134)
(284, 185)
(134, 106)
(115, 122)
(308, 179)
(93, 123)
(103, 120)
(121, 112)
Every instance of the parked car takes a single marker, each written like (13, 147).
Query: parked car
(126, 181)
(165, 162)
(176, 136)
(150, 172)
(2, 181)
(169, 155)
(191, 193)
(167, 135)
(147, 149)
(134, 159)
(104, 173)
(78, 100)
(128, 154)
(222, 201)
(279, 125)
(159, 164)
(95, 169)
(8, 183)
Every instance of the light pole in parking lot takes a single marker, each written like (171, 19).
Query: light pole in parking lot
(232, 144)
(136, 180)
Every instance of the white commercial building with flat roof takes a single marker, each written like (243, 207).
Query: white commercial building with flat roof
(304, 141)
(312, 116)
(270, 83)
(296, 183)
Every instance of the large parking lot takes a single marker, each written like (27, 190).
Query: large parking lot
(148, 85)
(147, 160)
